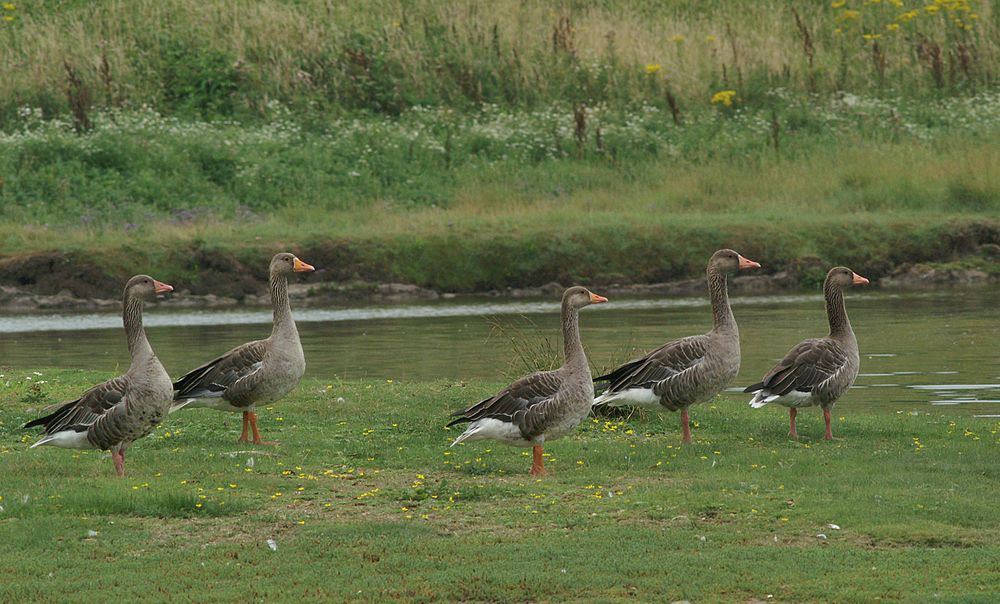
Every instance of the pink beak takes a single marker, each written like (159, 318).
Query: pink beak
(746, 263)
(162, 288)
(595, 299)
(859, 280)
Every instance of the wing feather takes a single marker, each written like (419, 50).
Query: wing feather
(806, 367)
(523, 394)
(667, 361)
(218, 375)
(87, 409)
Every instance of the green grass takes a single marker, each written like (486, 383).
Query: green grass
(366, 502)
(211, 59)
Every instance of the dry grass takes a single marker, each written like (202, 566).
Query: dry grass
(442, 52)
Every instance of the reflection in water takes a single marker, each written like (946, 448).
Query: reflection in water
(910, 343)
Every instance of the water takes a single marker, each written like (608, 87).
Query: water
(919, 351)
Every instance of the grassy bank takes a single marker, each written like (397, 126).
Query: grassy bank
(471, 202)
(364, 500)
(466, 149)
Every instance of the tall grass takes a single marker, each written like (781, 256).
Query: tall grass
(222, 59)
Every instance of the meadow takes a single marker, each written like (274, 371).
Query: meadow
(476, 147)
(363, 500)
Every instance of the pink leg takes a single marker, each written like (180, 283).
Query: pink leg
(792, 411)
(685, 425)
(537, 461)
(256, 435)
(826, 418)
(245, 437)
(119, 458)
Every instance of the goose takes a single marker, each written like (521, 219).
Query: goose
(256, 373)
(688, 370)
(114, 414)
(542, 406)
(816, 371)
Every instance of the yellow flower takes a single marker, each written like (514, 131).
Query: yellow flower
(8, 6)
(652, 67)
(725, 97)
(892, 26)
(8, 18)
(710, 38)
(850, 15)
(872, 36)
(678, 38)
(838, 3)
(932, 9)
(896, 3)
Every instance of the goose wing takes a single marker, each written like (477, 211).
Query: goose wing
(218, 375)
(521, 396)
(87, 409)
(659, 368)
(806, 367)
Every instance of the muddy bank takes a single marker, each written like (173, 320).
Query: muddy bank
(36, 295)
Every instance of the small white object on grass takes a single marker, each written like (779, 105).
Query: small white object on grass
(250, 462)
(835, 527)
(91, 533)
(271, 543)
(821, 536)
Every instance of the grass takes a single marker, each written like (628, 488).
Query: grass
(364, 500)
(358, 201)
(214, 59)
(464, 149)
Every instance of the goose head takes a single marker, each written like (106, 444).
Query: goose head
(841, 276)
(577, 297)
(144, 287)
(288, 263)
(729, 261)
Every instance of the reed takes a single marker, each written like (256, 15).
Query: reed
(230, 59)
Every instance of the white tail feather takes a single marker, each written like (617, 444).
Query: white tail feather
(178, 405)
(67, 439)
(639, 397)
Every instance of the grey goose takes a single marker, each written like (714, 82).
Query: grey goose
(816, 371)
(542, 406)
(688, 370)
(115, 413)
(256, 373)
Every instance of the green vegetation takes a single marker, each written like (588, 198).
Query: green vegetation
(364, 500)
(465, 149)
(212, 59)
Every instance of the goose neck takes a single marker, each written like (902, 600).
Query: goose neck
(722, 313)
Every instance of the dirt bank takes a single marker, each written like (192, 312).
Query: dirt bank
(55, 282)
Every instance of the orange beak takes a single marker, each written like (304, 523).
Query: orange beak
(595, 299)
(747, 263)
(301, 267)
(162, 288)
(859, 280)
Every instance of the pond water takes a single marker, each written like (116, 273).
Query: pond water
(917, 349)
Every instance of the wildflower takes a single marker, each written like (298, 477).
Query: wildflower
(679, 39)
(652, 67)
(932, 9)
(9, 6)
(850, 15)
(872, 36)
(838, 4)
(710, 38)
(891, 26)
(725, 97)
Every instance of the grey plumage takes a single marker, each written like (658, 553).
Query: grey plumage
(542, 406)
(816, 371)
(688, 370)
(256, 373)
(113, 414)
